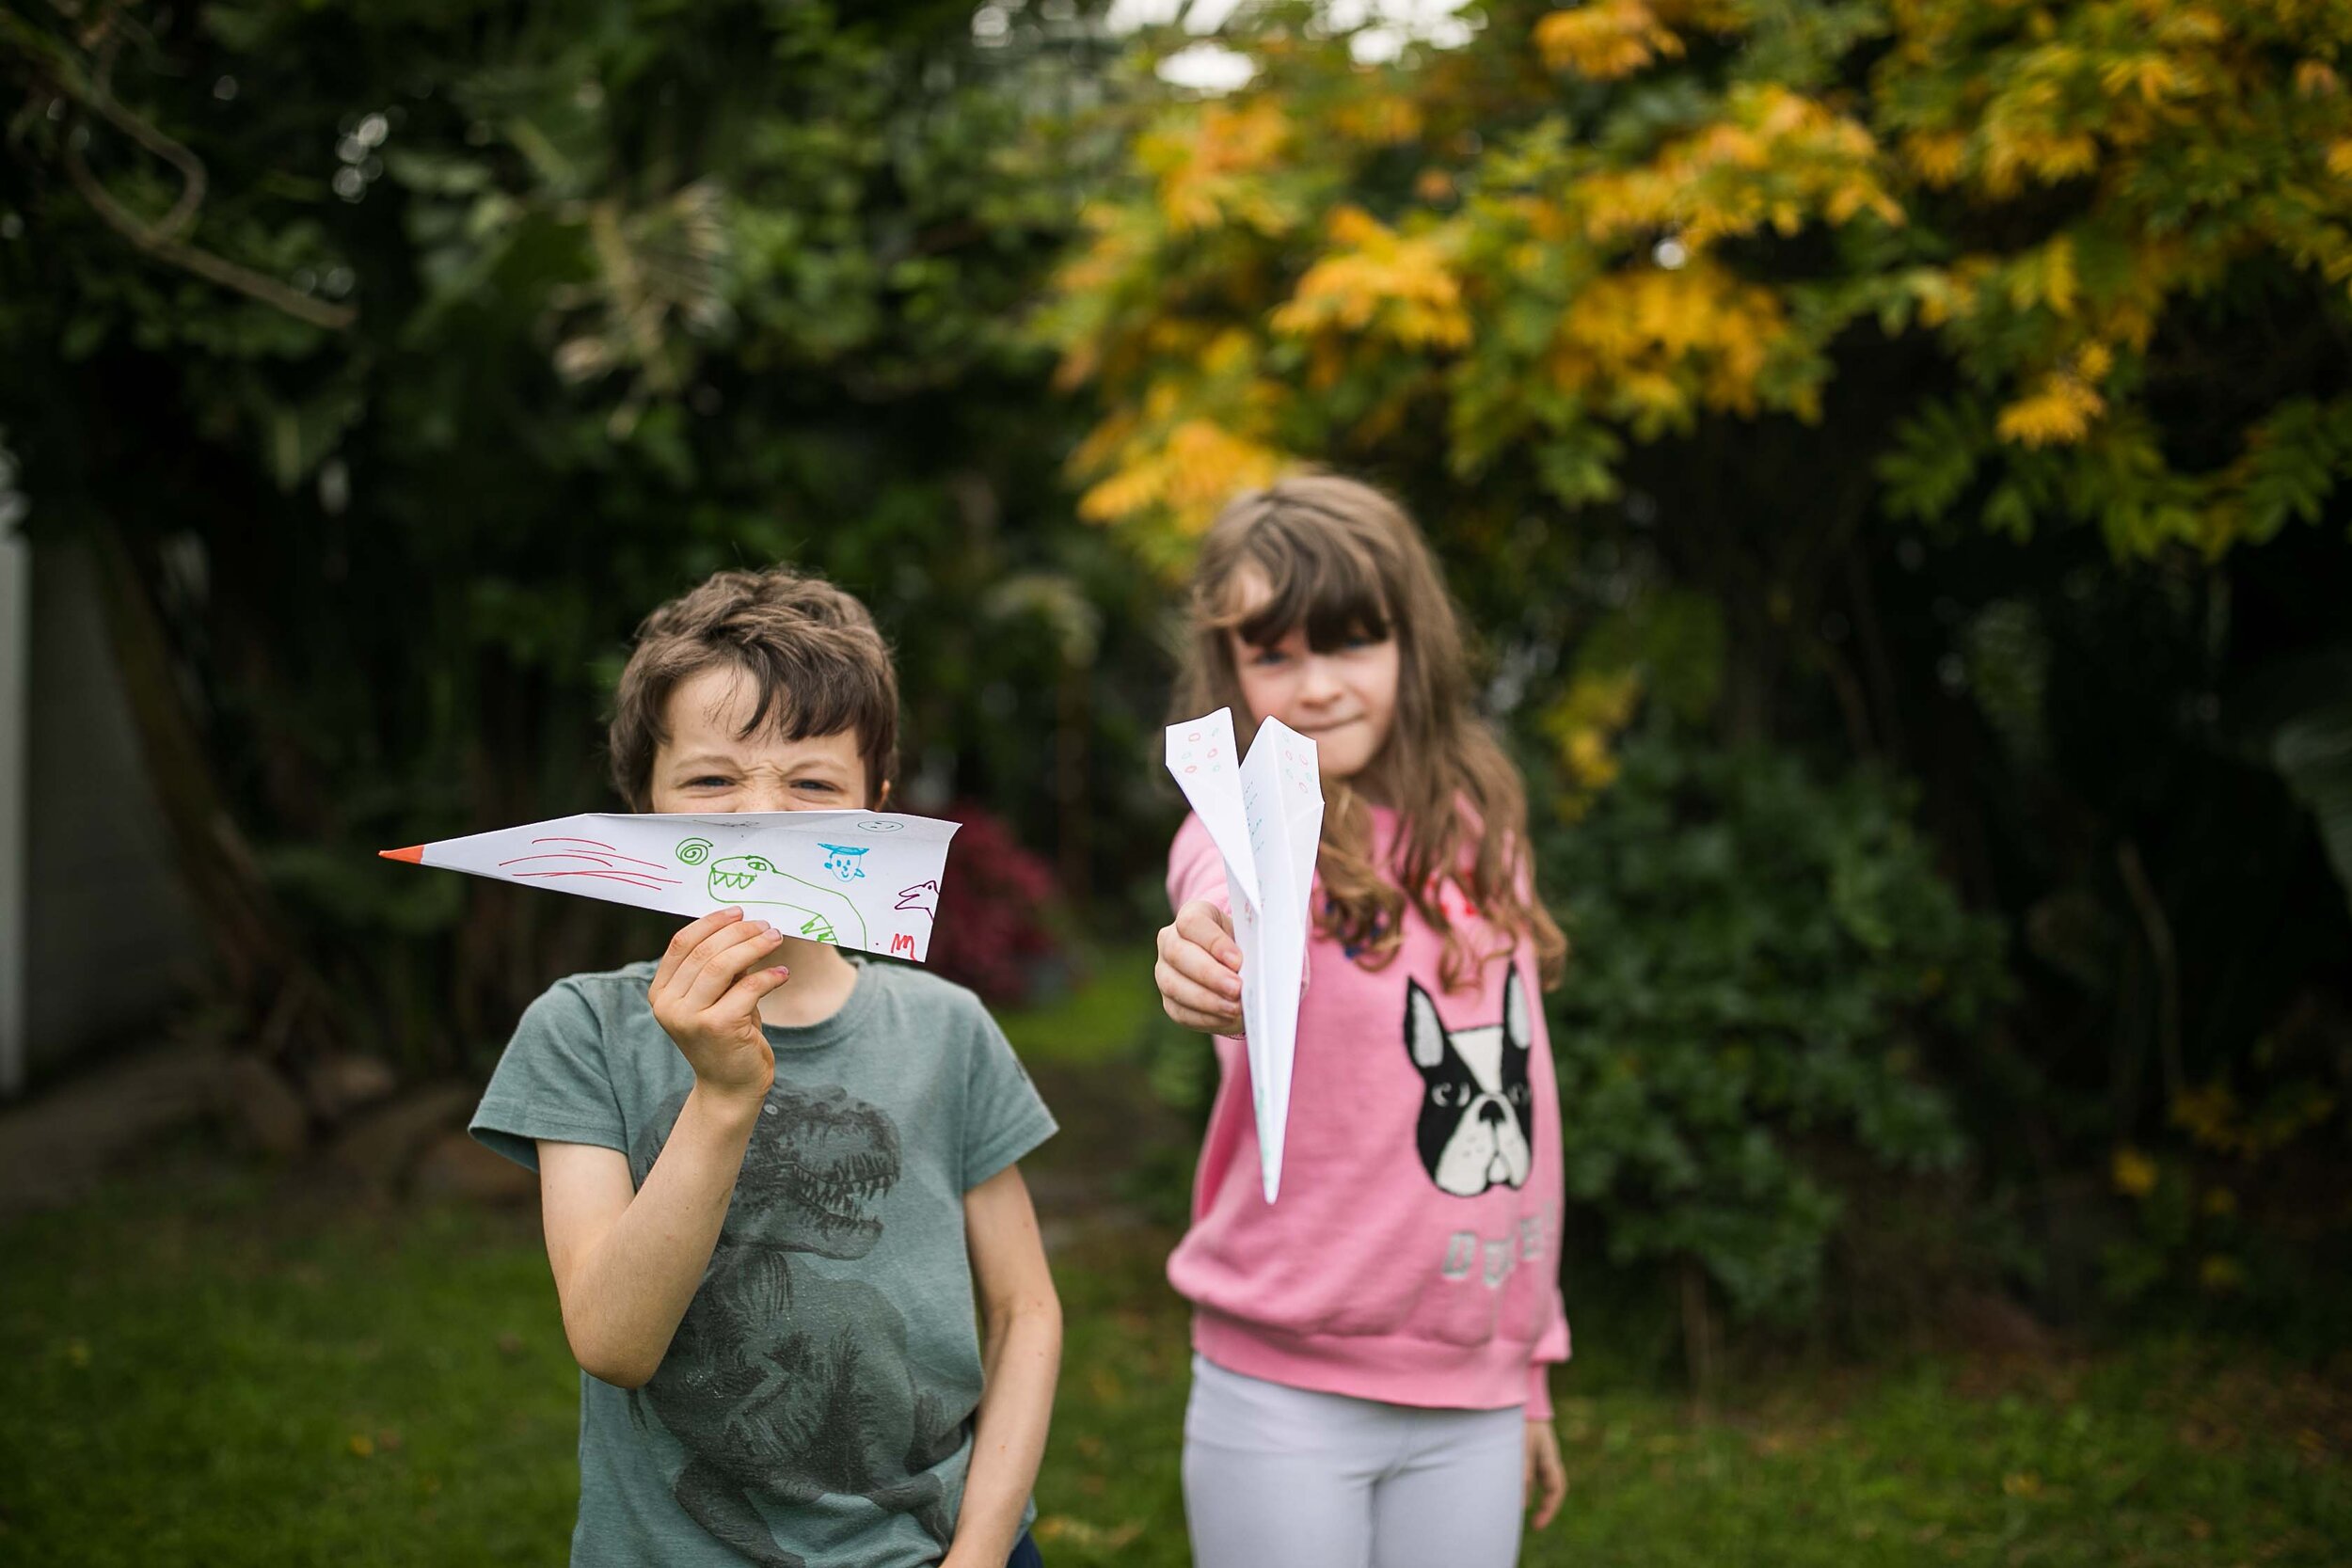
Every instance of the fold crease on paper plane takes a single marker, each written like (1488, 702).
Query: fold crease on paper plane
(1265, 814)
(855, 878)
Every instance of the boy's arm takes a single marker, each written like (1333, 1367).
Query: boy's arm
(627, 1261)
(1021, 1353)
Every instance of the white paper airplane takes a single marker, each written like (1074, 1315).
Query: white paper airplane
(867, 880)
(1265, 814)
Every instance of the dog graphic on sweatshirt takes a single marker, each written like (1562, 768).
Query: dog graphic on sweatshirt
(1476, 1118)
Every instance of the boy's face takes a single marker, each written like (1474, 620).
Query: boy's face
(708, 765)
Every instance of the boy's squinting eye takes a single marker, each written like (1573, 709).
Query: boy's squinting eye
(825, 785)
(707, 780)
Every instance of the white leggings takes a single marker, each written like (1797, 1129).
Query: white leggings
(1285, 1477)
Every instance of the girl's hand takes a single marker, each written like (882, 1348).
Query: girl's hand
(1200, 970)
(1544, 1479)
(706, 996)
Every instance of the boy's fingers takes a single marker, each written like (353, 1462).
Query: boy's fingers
(689, 987)
(687, 939)
(742, 998)
(722, 962)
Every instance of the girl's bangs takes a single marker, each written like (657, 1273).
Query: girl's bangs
(1321, 581)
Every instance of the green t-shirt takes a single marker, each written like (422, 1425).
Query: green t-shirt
(815, 1407)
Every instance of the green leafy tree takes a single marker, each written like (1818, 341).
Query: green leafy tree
(398, 357)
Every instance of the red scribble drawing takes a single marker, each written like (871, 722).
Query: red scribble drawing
(607, 848)
(578, 862)
(632, 877)
(901, 946)
(923, 896)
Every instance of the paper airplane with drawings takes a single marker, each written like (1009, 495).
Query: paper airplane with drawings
(857, 879)
(1265, 813)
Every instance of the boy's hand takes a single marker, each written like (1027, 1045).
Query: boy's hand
(1200, 970)
(706, 996)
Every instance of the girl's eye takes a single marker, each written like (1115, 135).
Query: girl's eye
(1265, 657)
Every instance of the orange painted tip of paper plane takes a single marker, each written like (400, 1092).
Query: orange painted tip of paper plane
(414, 854)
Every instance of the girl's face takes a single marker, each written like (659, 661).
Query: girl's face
(1342, 699)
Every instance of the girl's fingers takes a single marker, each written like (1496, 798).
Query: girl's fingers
(1194, 1005)
(1211, 930)
(1547, 1477)
(682, 945)
(1198, 965)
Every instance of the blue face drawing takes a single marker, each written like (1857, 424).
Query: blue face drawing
(842, 861)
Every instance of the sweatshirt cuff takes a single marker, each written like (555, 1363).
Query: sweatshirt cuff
(1539, 1390)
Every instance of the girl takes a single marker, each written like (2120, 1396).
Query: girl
(1370, 1352)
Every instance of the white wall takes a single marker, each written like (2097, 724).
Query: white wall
(16, 651)
(107, 929)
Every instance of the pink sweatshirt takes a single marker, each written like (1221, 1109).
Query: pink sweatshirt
(1412, 1256)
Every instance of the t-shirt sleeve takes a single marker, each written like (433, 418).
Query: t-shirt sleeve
(1004, 1117)
(551, 1082)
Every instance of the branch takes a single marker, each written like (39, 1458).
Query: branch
(161, 239)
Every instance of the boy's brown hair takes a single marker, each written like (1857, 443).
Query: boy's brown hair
(820, 665)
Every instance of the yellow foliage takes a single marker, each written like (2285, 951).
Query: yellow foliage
(1204, 163)
(2211, 1116)
(2135, 1174)
(1401, 288)
(2340, 158)
(1605, 39)
(1189, 475)
(1936, 156)
(2220, 1274)
(1380, 119)
(1584, 724)
(1773, 157)
(2015, 154)
(1660, 340)
(2059, 412)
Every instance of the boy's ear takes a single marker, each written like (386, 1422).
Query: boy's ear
(881, 801)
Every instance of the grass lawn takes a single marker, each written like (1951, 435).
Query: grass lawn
(212, 1364)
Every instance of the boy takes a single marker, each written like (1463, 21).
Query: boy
(773, 1174)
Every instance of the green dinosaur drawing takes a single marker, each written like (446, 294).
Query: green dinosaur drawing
(754, 879)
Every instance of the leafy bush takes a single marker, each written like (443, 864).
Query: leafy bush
(1760, 961)
(993, 903)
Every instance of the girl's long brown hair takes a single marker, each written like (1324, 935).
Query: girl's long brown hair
(1343, 561)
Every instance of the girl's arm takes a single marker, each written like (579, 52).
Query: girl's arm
(629, 1260)
(1021, 1357)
